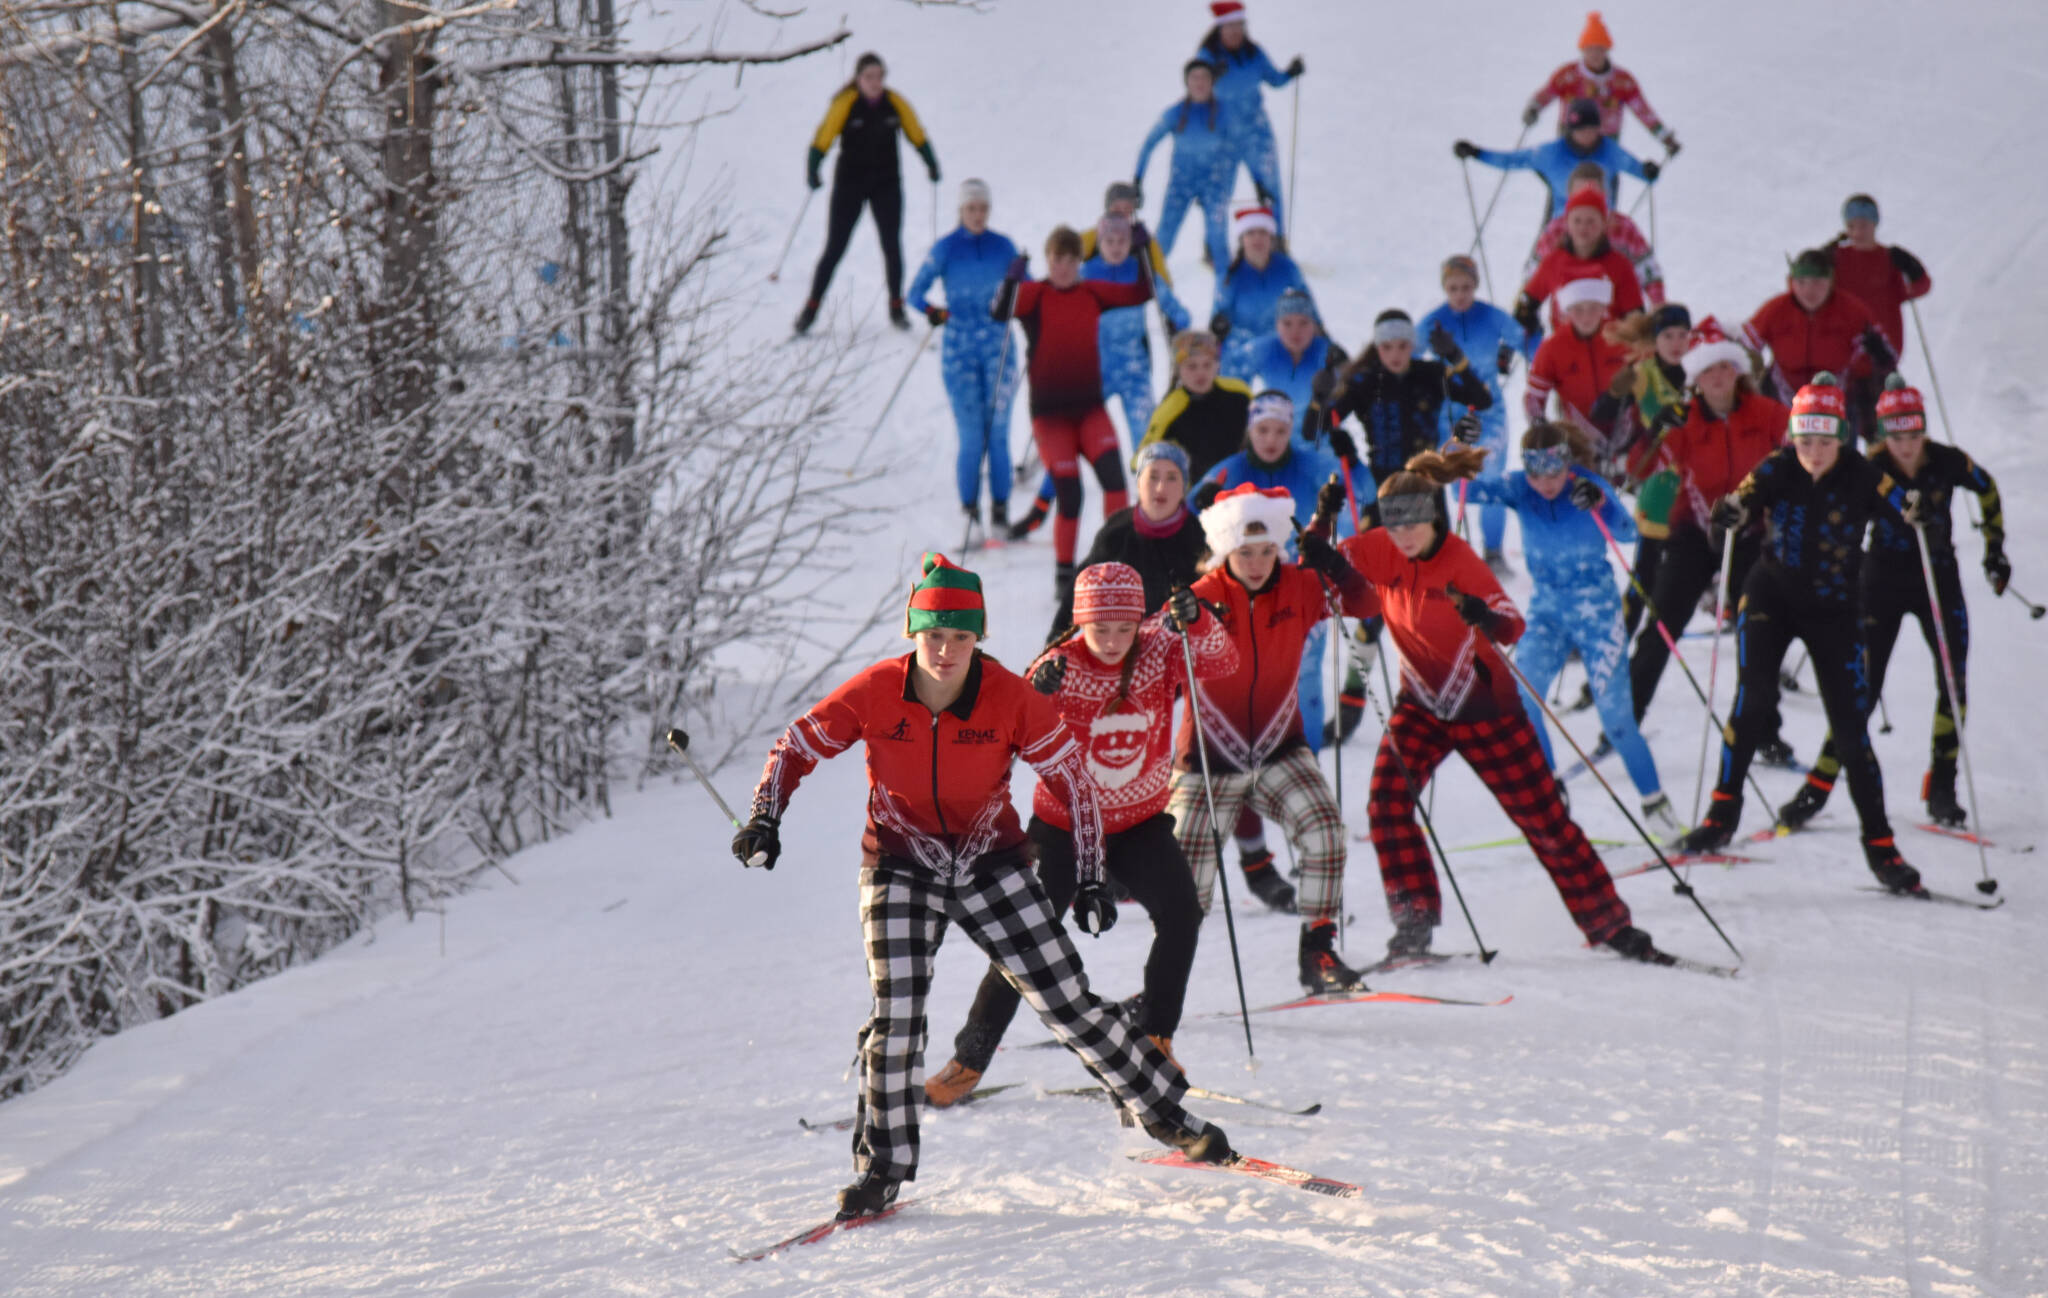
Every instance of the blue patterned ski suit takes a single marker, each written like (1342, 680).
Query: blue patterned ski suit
(971, 266)
(1553, 163)
(1125, 347)
(1274, 367)
(1241, 78)
(1576, 605)
(1479, 331)
(1204, 166)
(1248, 298)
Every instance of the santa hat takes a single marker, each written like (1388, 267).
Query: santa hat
(1247, 513)
(1227, 11)
(1592, 196)
(1709, 346)
(1254, 218)
(1593, 289)
(1594, 33)
(1109, 592)
(1818, 410)
(945, 596)
(1900, 409)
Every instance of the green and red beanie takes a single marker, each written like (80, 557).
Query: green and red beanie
(946, 596)
(1818, 410)
(1900, 409)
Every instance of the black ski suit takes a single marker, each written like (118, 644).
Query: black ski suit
(867, 174)
(1163, 562)
(1398, 411)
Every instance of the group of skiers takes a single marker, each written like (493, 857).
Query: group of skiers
(1252, 521)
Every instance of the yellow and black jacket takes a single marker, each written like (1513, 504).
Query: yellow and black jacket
(866, 132)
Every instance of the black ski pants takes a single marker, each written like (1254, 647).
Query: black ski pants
(1147, 861)
(1687, 568)
(1892, 592)
(1649, 550)
(881, 195)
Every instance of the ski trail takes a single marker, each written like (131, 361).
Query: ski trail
(1905, 1152)
(1767, 1137)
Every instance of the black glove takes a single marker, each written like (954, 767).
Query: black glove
(1015, 270)
(811, 165)
(1729, 513)
(1183, 610)
(1219, 324)
(1472, 611)
(759, 839)
(1297, 67)
(1320, 556)
(1139, 185)
(1997, 569)
(1915, 512)
(1466, 430)
(1446, 347)
(1878, 348)
(931, 160)
(1205, 495)
(1330, 497)
(1141, 238)
(1907, 264)
(1343, 445)
(1526, 315)
(1670, 146)
(1530, 114)
(936, 315)
(1668, 418)
(1465, 149)
(1050, 674)
(1585, 495)
(1504, 360)
(1094, 909)
(1650, 171)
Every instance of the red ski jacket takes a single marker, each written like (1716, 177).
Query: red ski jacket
(1867, 274)
(1253, 714)
(1803, 345)
(1578, 370)
(1446, 666)
(1560, 266)
(1713, 456)
(939, 783)
(1127, 742)
(1060, 326)
(1624, 235)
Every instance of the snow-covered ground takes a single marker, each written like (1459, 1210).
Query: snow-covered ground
(588, 1082)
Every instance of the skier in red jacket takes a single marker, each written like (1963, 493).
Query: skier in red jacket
(1814, 326)
(1449, 619)
(1061, 315)
(1578, 363)
(1593, 76)
(1883, 278)
(942, 847)
(1623, 233)
(1585, 253)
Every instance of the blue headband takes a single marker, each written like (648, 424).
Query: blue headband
(1542, 461)
(1860, 208)
(1161, 450)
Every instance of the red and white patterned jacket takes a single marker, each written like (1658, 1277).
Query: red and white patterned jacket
(1128, 748)
(939, 783)
(1614, 90)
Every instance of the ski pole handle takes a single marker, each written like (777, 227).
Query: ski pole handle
(679, 739)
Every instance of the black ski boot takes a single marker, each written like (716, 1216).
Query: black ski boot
(1062, 582)
(896, 315)
(1603, 748)
(1585, 699)
(873, 1193)
(1263, 878)
(1203, 1142)
(1938, 789)
(1030, 523)
(1776, 752)
(998, 518)
(1889, 867)
(1632, 944)
(1411, 938)
(1806, 804)
(807, 317)
(1321, 970)
(1715, 832)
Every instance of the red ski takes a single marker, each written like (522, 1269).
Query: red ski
(1361, 998)
(1278, 1173)
(1963, 834)
(822, 1230)
(1685, 858)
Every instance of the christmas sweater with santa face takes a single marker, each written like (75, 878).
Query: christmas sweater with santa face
(1126, 738)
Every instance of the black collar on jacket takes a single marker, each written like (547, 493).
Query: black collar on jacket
(961, 707)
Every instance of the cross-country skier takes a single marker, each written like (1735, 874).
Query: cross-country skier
(1814, 326)
(1113, 678)
(1817, 500)
(1593, 76)
(1158, 537)
(1299, 359)
(1893, 587)
(1252, 745)
(865, 118)
(942, 848)
(1242, 73)
(1652, 402)
(1553, 162)
(1449, 619)
(1062, 317)
(1585, 253)
(1883, 278)
(1248, 291)
(1489, 337)
(1125, 344)
(1579, 363)
(1626, 237)
(971, 261)
(1397, 396)
(1203, 413)
(1204, 163)
(1123, 198)
(1575, 606)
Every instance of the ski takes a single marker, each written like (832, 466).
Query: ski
(1201, 1093)
(1278, 1173)
(1360, 998)
(1948, 832)
(846, 1124)
(1685, 858)
(823, 1230)
(1666, 960)
(1928, 894)
(1424, 960)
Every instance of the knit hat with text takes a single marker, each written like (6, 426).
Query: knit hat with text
(1819, 410)
(946, 597)
(1900, 409)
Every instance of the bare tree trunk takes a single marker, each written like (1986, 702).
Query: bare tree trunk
(411, 209)
(241, 198)
(618, 288)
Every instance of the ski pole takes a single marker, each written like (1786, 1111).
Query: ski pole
(1884, 714)
(1683, 888)
(935, 211)
(1480, 231)
(1293, 142)
(1472, 205)
(1714, 664)
(1986, 885)
(2034, 611)
(679, 739)
(1948, 430)
(890, 404)
(1187, 658)
(1652, 192)
(1644, 192)
(798, 224)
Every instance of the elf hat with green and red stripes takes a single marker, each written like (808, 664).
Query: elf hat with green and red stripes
(946, 596)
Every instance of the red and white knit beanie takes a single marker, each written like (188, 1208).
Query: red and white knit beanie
(1708, 347)
(1900, 409)
(1819, 410)
(1109, 592)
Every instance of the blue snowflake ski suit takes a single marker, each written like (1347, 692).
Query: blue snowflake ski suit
(1125, 347)
(1303, 473)
(1479, 331)
(1274, 367)
(1553, 162)
(1241, 78)
(1204, 167)
(971, 266)
(1247, 298)
(1576, 605)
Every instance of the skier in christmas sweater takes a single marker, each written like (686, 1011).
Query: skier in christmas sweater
(1585, 253)
(1062, 317)
(1553, 162)
(1650, 403)
(1398, 397)
(1113, 678)
(1450, 619)
(1817, 500)
(1814, 326)
(1299, 359)
(980, 373)
(1158, 537)
(1593, 76)
(942, 848)
(1489, 337)
(1248, 291)
(1575, 606)
(1252, 751)
(1893, 588)
(1882, 277)
(1623, 234)
(1125, 345)
(1243, 70)
(1203, 413)
(1204, 163)
(1580, 363)
(865, 119)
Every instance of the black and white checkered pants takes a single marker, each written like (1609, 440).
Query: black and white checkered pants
(904, 912)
